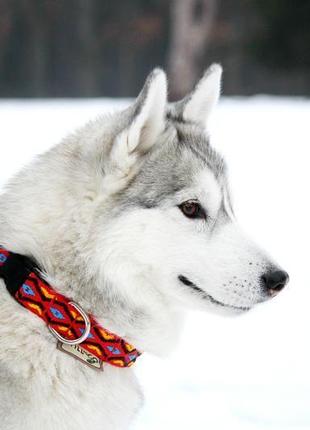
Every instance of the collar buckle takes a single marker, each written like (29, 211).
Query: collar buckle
(85, 333)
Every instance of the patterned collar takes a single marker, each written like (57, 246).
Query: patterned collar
(78, 333)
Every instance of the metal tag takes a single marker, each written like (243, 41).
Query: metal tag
(82, 355)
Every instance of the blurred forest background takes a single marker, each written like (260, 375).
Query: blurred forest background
(87, 48)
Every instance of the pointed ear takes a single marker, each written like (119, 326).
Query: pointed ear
(147, 121)
(198, 105)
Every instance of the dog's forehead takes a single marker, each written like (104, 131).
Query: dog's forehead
(208, 190)
(181, 160)
(196, 140)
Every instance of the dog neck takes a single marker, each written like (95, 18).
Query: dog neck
(152, 324)
(50, 230)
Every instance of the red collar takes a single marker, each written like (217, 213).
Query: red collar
(78, 333)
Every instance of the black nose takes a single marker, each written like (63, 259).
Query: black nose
(275, 281)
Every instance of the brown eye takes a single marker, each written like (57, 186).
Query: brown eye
(192, 209)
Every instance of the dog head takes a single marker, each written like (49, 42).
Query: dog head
(137, 205)
(164, 222)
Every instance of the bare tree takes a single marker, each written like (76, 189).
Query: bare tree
(191, 25)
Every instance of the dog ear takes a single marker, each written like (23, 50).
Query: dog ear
(147, 121)
(197, 106)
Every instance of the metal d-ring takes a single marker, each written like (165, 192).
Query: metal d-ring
(85, 333)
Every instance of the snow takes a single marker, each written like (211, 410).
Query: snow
(248, 372)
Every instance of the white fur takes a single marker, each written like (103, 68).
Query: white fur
(144, 130)
(60, 210)
(205, 97)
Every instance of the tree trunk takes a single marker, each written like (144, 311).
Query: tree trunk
(191, 25)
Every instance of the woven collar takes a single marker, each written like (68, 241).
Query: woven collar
(65, 319)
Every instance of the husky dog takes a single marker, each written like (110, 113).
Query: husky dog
(130, 217)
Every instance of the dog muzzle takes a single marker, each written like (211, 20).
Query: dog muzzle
(77, 332)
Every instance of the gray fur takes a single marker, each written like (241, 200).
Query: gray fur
(182, 150)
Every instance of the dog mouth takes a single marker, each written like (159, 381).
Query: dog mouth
(206, 296)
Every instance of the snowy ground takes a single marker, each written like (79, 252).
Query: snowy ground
(251, 372)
